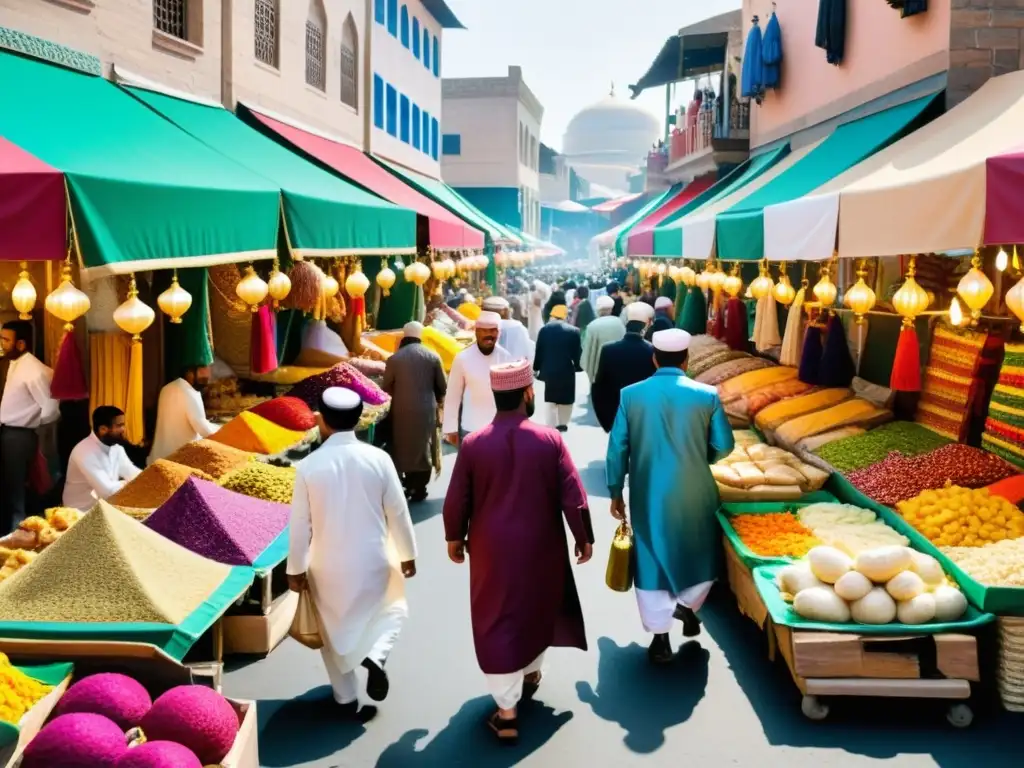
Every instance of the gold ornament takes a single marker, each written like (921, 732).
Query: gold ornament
(784, 291)
(762, 284)
(357, 284)
(860, 298)
(1015, 300)
(975, 289)
(703, 280)
(733, 283)
(279, 285)
(252, 289)
(717, 278)
(956, 315)
(67, 303)
(23, 295)
(329, 285)
(133, 316)
(825, 290)
(911, 299)
(687, 276)
(386, 279)
(175, 301)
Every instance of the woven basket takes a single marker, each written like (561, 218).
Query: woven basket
(1010, 671)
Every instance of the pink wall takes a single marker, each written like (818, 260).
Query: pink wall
(883, 53)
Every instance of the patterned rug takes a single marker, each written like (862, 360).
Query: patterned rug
(950, 382)
(1004, 428)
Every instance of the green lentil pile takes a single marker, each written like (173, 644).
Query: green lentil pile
(852, 453)
(110, 568)
(263, 481)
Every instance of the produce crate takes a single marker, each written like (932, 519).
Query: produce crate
(258, 635)
(14, 737)
(1010, 668)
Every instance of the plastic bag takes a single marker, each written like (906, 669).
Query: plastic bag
(619, 573)
(305, 627)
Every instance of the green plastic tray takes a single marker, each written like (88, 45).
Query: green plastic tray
(47, 674)
(730, 510)
(783, 613)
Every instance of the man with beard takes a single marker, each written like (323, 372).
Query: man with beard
(98, 466)
(514, 337)
(180, 413)
(469, 381)
(506, 500)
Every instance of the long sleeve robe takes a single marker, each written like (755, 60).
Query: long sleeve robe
(516, 340)
(667, 432)
(414, 377)
(469, 386)
(557, 360)
(350, 532)
(602, 331)
(513, 483)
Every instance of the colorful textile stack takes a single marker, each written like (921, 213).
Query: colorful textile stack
(1004, 428)
(750, 382)
(777, 414)
(853, 412)
(732, 368)
(950, 382)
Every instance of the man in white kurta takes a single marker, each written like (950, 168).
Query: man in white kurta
(604, 330)
(469, 382)
(514, 338)
(180, 413)
(352, 543)
(99, 466)
(538, 298)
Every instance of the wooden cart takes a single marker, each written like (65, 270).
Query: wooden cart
(827, 664)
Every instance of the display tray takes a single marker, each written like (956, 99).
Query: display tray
(731, 509)
(1004, 601)
(782, 613)
(56, 675)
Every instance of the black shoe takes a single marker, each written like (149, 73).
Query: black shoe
(353, 712)
(377, 684)
(415, 497)
(562, 428)
(691, 624)
(660, 650)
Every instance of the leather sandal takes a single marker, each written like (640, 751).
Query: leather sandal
(531, 683)
(506, 731)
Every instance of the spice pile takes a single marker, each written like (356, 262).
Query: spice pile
(776, 534)
(288, 412)
(155, 485)
(906, 437)
(213, 458)
(953, 516)
(1000, 564)
(18, 692)
(342, 375)
(263, 481)
(848, 528)
(900, 477)
(252, 433)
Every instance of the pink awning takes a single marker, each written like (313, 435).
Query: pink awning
(610, 205)
(641, 236)
(33, 218)
(1004, 198)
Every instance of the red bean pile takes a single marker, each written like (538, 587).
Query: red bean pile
(900, 477)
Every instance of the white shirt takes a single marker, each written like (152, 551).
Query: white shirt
(350, 531)
(469, 385)
(26, 400)
(96, 471)
(180, 419)
(516, 340)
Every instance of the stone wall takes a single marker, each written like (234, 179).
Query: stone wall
(986, 38)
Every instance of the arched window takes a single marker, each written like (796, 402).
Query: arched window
(393, 17)
(403, 26)
(415, 37)
(437, 57)
(350, 63)
(426, 48)
(316, 50)
(379, 14)
(265, 31)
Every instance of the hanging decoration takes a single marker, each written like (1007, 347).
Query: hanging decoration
(975, 289)
(356, 286)
(703, 280)
(752, 73)
(417, 273)
(329, 285)
(837, 368)
(825, 290)
(67, 302)
(279, 285)
(718, 278)
(792, 338)
(262, 349)
(175, 301)
(687, 275)
(830, 33)
(763, 283)
(736, 332)
(306, 286)
(860, 298)
(1014, 300)
(134, 317)
(909, 301)
(386, 280)
(733, 283)
(783, 290)
(23, 295)
(956, 314)
(771, 54)
(252, 289)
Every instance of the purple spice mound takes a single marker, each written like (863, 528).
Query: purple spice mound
(342, 375)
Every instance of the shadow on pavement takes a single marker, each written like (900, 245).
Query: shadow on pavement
(594, 479)
(645, 700)
(467, 741)
(422, 511)
(300, 730)
(873, 727)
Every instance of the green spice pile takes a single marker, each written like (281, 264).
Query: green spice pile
(263, 481)
(852, 453)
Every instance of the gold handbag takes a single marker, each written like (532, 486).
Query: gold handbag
(306, 625)
(619, 574)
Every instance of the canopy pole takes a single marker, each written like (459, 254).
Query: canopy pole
(668, 110)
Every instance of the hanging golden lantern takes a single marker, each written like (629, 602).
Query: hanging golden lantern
(911, 299)
(357, 284)
(733, 283)
(483, 261)
(386, 279)
(23, 295)
(825, 290)
(703, 280)
(175, 301)
(687, 276)
(1014, 300)
(133, 316)
(279, 285)
(662, 269)
(1002, 260)
(329, 285)
(67, 302)
(440, 270)
(783, 290)
(500, 259)
(763, 283)
(421, 273)
(252, 289)
(449, 267)
(975, 289)
(717, 277)
(673, 274)
(956, 314)
(860, 298)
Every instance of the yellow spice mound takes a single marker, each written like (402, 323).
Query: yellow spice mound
(155, 485)
(18, 692)
(214, 458)
(109, 567)
(251, 432)
(263, 481)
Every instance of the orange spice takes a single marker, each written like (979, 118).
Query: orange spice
(778, 534)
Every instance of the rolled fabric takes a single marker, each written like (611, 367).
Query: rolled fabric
(810, 356)
(792, 341)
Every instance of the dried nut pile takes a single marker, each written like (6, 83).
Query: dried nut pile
(263, 481)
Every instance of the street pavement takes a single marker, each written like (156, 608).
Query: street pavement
(722, 703)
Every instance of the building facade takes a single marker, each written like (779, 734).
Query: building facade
(490, 146)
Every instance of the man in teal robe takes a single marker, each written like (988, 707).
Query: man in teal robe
(667, 432)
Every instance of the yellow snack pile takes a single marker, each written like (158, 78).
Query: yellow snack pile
(18, 692)
(961, 517)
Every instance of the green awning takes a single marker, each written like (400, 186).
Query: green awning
(325, 215)
(144, 194)
(622, 238)
(454, 202)
(668, 236)
(739, 231)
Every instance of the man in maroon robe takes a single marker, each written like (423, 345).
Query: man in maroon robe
(513, 481)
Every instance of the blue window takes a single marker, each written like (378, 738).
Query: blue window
(378, 12)
(433, 137)
(393, 17)
(437, 58)
(426, 48)
(416, 37)
(392, 110)
(378, 101)
(415, 126)
(451, 144)
(426, 133)
(403, 26)
(403, 129)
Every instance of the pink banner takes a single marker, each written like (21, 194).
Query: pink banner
(32, 211)
(1004, 198)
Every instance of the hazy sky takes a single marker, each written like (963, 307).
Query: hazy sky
(570, 50)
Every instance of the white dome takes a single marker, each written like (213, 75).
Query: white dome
(612, 126)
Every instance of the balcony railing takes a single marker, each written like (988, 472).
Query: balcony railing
(698, 136)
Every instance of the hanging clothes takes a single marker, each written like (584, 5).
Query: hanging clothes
(753, 66)
(771, 54)
(831, 30)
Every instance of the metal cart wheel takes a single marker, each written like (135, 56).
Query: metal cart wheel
(959, 715)
(814, 708)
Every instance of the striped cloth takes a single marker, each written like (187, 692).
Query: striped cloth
(1004, 428)
(950, 382)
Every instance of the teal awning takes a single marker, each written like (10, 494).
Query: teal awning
(144, 194)
(325, 215)
(739, 231)
(668, 236)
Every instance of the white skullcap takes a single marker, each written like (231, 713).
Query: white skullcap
(495, 304)
(605, 302)
(488, 320)
(463, 291)
(639, 311)
(662, 302)
(413, 330)
(340, 399)
(671, 340)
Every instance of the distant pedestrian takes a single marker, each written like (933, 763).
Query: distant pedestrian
(604, 330)
(514, 337)
(664, 317)
(469, 385)
(557, 361)
(582, 310)
(622, 363)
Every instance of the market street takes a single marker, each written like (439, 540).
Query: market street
(722, 703)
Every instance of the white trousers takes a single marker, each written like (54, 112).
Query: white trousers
(344, 683)
(507, 690)
(559, 415)
(657, 607)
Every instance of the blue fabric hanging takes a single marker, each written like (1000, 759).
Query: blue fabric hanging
(830, 33)
(771, 54)
(753, 66)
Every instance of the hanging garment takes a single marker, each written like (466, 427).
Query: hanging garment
(753, 67)
(831, 30)
(771, 54)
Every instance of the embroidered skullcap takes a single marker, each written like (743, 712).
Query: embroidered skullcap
(412, 330)
(508, 377)
(662, 302)
(488, 320)
(605, 302)
(495, 304)
(639, 311)
(560, 312)
(340, 399)
(671, 340)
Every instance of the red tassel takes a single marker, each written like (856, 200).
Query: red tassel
(906, 366)
(736, 333)
(69, 373)
(718, 324)
(262, 351)
(357, 305)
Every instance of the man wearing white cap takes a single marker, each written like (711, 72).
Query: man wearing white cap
(414, 377)
(604, 330)
(469, 381)
(351, 543)
(663, 319)
(514, 337)
(668, 430)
